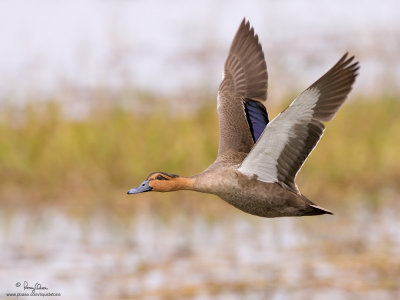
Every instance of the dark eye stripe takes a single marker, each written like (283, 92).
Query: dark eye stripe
(160, 177)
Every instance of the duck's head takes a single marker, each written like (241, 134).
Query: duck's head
(162, 182)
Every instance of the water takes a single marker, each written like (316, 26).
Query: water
(354, 254)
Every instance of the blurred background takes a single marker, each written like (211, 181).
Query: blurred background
(95, 95)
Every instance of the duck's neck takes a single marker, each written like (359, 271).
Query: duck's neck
(175, 184)
(183, 183)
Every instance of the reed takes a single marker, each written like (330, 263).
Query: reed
(48, 157)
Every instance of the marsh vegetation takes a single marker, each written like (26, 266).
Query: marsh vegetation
(64, 209)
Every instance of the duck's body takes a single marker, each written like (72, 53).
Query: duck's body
(258, 160)
(253, 196)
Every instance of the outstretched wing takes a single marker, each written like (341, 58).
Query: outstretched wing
(292, 135)
(242, 117)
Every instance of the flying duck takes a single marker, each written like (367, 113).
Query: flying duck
(258, 160)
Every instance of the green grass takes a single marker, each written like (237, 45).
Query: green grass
(47, 157)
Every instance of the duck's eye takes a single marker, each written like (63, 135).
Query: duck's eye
(160, 177)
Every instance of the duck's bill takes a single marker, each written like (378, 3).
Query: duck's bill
(143, 187)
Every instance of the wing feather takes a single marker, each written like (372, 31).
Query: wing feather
(244, 82)
(289, 138)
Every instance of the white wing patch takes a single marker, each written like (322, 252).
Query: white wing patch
(263, 158)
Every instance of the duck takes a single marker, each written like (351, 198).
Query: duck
(258, 159)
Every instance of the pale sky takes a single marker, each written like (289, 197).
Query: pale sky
(170, 46)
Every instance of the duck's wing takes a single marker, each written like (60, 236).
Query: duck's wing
(292, 135)
(242, 116)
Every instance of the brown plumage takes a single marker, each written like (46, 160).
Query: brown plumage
(245, 77)
(259, 178)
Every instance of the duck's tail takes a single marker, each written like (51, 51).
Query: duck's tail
(314, 210)
(317, 210)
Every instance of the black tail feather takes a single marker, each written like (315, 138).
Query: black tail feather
(317, 210)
